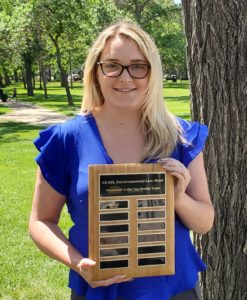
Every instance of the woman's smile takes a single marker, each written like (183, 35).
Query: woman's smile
(125, 90)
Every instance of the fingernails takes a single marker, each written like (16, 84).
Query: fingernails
(163, 160)
(131, 279)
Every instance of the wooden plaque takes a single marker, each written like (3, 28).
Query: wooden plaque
(131, 220)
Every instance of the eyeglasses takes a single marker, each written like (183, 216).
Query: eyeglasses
(111, 69)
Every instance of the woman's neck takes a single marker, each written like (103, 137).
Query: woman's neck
(124, 118)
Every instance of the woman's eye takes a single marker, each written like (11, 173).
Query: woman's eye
(137, 66)
(111, 66)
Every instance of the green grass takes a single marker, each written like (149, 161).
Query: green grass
(57, 99)
(26, 273)
(4, 109)
(177, 98)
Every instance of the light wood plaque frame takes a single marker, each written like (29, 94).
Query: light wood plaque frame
(131, 220)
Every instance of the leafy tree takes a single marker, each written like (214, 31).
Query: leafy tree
(60, 20)
(163, 21)
(59, 32)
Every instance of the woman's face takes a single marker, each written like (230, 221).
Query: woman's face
(122, 92)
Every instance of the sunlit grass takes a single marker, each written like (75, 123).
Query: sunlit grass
(4, 109)
(177, 98)
(25, 272)
(57, 99)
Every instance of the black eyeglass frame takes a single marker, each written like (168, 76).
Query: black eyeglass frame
(100, 63)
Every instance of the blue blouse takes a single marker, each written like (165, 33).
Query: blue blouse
(66, 150)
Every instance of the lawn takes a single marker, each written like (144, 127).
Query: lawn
(4, 109)
(176, 97)
(25, 272)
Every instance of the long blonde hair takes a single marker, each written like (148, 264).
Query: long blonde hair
(160, 126)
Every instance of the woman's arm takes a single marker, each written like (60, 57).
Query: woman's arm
(192, 199)
(44, 230)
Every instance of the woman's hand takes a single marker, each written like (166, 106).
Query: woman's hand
(181, 173)
(192, 200)
(84, 270)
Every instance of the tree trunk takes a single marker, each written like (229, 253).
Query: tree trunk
(24, 77)
(29, 77)
(49, 73)
(1, 80)
(44, 79)
(16, 76)
(6, 78)
(64, 76)
(70, 71)
(216, 33)
(34, 81)
(40, 77)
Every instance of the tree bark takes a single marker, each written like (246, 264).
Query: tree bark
(216, 33)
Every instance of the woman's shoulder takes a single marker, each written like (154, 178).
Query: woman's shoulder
(73, 127)
(79, 121)
(192, 142)
(186, 124)
(190, 129)
(66, 132)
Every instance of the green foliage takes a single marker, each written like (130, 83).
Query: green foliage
(29, 28)
(163, 21)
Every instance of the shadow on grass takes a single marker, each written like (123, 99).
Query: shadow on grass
(4, 109)
(177, 98)
(179, 85)
(58, 87)
(15, 129)
(52, 98)
(55, 102)
(185, 116)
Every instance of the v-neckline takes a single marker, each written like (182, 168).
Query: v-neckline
(102, 146)
(99, 139)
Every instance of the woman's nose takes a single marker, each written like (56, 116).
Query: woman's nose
(125, 75)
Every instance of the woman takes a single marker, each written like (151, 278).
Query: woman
(123, 120)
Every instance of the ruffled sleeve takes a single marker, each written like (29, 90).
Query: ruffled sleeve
(195, 135)
(51, 158)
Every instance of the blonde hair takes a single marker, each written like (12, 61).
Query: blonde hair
(160, 126)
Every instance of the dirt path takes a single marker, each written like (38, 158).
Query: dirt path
(31, 113)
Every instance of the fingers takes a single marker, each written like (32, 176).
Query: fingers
(176, 168)
(110, 281)
(84, 267)
(85, 264)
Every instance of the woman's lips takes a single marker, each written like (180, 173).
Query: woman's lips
(125, 90)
